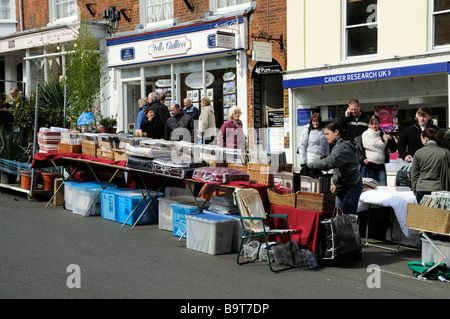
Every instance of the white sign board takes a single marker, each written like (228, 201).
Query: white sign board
(225, 40)
(262, 51)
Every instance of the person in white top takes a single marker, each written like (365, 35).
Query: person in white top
(374, 149)
(313, 145)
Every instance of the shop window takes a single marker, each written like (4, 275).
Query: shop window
(361, 28)
(441, 20)
(158, 11)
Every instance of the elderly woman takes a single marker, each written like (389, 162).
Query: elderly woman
(207, 122)
(231, 134)
(142, 103)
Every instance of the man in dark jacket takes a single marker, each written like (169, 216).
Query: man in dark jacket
(161, 110)
(354, 121)
(182, 123)
(410, 140)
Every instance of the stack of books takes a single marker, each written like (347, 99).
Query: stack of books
(437, 200)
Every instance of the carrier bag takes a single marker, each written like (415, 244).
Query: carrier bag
(403, 177)
(340, 237)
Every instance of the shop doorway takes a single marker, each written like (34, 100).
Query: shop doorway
(132, 94)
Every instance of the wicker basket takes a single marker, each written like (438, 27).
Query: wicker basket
(68, 148)
(261, 174)
(241, 168)
(105, 154)
(89, 148)
(289, 200)
(430, 219)
(119, 155)
(319, 202)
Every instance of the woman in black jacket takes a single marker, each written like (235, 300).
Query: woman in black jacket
(152, 125)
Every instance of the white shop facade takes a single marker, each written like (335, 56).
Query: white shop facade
(184, 61)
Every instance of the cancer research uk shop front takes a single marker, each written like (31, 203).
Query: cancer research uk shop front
(183, 62)
(393, 88)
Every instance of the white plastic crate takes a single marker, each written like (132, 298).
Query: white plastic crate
(84, 194)
(238, 232)
(165, 209)
(209, 233)
(430, 254)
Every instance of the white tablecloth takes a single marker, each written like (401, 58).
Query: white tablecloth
(395, 199)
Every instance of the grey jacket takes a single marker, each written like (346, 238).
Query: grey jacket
(344, 163)
(430, 168)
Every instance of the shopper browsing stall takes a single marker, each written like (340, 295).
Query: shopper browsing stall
(152, 125)
(142, 104)
(374, 150)
(180, 126)
(313, 145)
(231, 134)
(207, 122)
(431, 164)
(410, 140)
(346, 176)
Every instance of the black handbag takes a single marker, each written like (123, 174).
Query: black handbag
(340, 237)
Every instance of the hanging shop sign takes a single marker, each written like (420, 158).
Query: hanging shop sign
(262, 51)
(226, 40)
(195, 80)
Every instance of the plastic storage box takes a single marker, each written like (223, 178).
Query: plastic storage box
(179, 212)
(109, 201)
(84, 195)
(69, 193)
(430, 254)
(127, 202)
(209, 233)
(165, 209)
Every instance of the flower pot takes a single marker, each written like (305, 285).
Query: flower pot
(113, 130)
(25, 179)
(48, 180)
(104, 129)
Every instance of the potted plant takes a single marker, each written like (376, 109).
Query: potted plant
(108, 125)
(11, 150)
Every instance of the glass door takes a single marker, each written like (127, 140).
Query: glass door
(132, 94)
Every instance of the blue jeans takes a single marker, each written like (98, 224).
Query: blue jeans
(349, 204)
(375, 171)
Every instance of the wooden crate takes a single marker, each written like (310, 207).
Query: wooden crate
(119, 155)
(318, 202)
(89, 148)
(68, 148)
(105, 154)
(430, 219)
(289, 200)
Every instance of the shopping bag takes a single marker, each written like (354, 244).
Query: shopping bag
(403, 177)
(299, 257)
(340, 236)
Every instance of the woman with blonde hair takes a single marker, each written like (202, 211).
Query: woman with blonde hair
(313, 145)
(207, 122)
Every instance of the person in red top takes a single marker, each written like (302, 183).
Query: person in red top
(231, 134)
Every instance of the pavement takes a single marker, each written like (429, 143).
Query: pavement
(51, 253)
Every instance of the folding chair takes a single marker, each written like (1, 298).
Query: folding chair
(253, 217)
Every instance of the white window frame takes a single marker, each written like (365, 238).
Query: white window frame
(432, 30)
(163, 23)
(12, 17)
(216, 10)
(345, 35)
(53, 14)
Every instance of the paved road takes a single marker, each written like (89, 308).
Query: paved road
(38, 245)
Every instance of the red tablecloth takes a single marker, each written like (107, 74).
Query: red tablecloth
(306, 222)
(41, 160)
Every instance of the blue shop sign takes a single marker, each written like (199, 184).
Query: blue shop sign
(127, 54)
(368, 75)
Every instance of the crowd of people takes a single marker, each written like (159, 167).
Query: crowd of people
(354, 146)
(358, 149)
(178, 123)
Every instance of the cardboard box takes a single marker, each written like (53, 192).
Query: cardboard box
(58, 200)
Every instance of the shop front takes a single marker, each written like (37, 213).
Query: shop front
(393, 88)
(184, 62)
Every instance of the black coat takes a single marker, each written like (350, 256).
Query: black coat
(180, 121)
(354, 127)
(410, 140)
(154, 128)
(161, 111)
(391, 147)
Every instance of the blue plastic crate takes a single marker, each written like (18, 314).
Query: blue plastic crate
(127, 202)
(83, 194)
(179, 212)
(109, 202)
